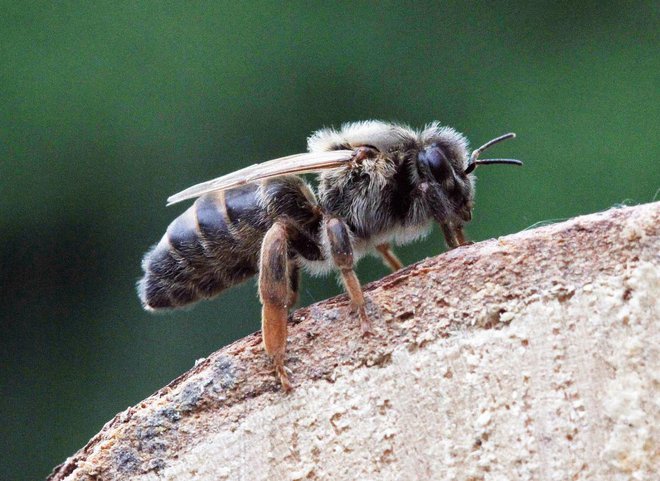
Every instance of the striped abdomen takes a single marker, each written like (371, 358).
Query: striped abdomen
(216, 243)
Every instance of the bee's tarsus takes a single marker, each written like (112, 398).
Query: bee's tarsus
(366, 327)
(282, 373)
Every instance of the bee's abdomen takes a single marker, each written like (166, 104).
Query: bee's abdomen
(212, 246)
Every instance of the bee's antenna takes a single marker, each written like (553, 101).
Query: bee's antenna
(473, 162)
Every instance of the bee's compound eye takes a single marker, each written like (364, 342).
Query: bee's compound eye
(436, 161)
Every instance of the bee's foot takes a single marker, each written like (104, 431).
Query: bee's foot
(366, 328)
(281, 372)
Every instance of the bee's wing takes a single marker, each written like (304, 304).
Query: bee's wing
(293, 164)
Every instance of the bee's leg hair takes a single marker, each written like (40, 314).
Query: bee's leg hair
(342, 255)
(389, 257)
(275, 293)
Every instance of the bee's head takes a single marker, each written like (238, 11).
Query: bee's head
(446, 169)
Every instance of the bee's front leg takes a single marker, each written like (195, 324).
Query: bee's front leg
(342, 255)
(275, 292)
(454, 235)
(460, 237)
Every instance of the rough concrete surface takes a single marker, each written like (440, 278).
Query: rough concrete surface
(533, 356)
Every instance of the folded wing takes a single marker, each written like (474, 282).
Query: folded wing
(293, 164)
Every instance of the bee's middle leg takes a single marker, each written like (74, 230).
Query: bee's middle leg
(276, 295)
(389, 257)
(342, 255)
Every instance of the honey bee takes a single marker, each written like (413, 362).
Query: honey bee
(379, 183)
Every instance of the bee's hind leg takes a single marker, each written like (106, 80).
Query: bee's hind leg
(294, 284)
(342, 255)
(389, 257)
(275, 292)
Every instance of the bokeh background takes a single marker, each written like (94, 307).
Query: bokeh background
(108, 108)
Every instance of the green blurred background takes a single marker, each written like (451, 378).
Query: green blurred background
(108, 108)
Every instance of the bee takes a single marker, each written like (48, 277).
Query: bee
(379, 184)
